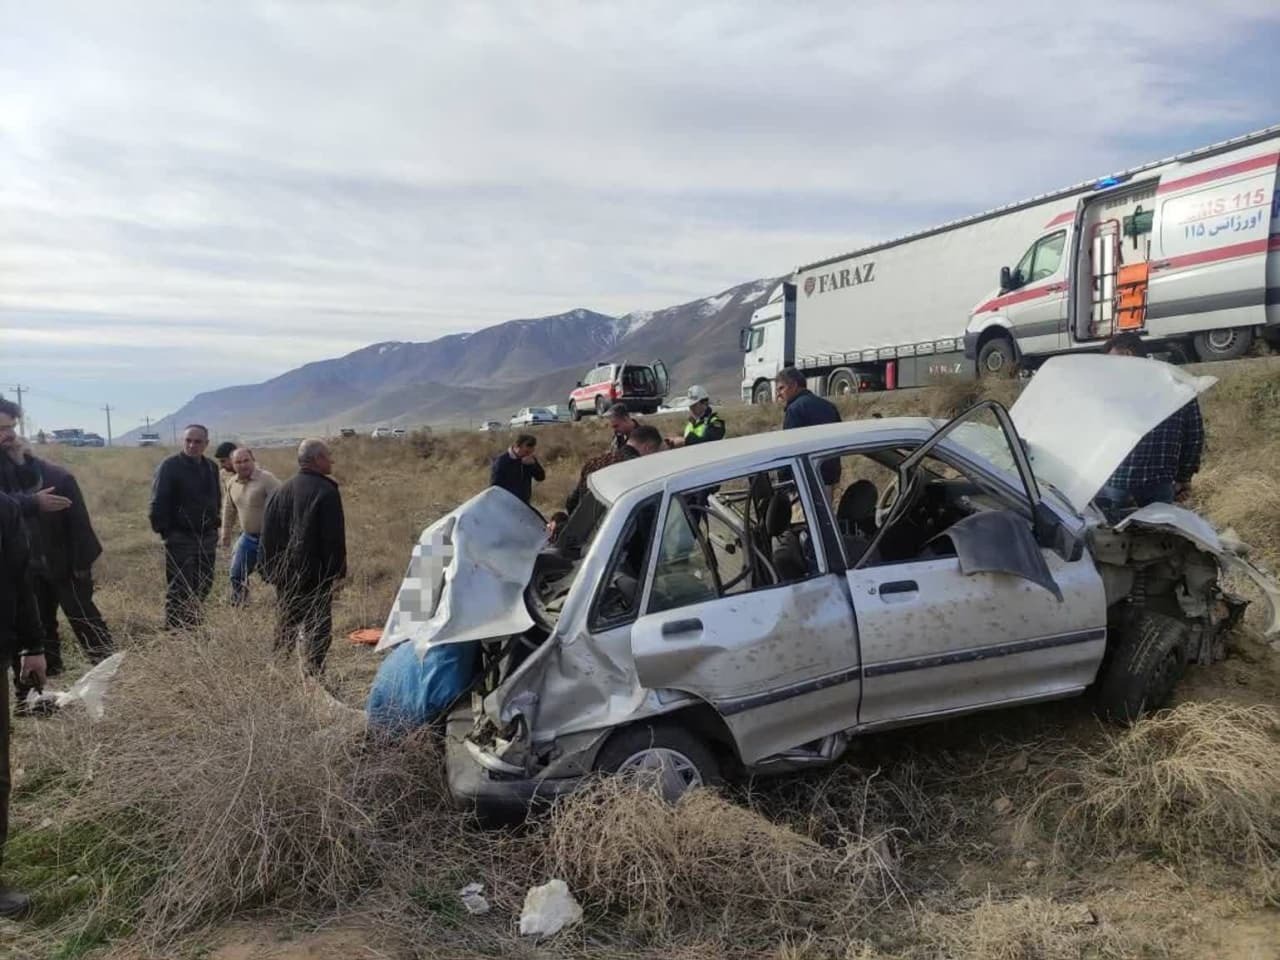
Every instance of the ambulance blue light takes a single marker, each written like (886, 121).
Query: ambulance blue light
(1106, 182)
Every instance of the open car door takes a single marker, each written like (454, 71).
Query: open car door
(663, 378)
(985, 611)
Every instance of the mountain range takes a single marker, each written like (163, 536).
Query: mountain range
(467, 378)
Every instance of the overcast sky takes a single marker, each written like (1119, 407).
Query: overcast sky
(199, 194)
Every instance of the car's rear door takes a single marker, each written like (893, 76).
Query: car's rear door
(948, 634)
(774, 650)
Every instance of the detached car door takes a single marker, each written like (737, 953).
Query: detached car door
(753, 621)
(986, 615)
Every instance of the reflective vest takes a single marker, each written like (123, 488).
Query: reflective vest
(698, 428)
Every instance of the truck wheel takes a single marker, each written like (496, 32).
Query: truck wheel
(676, 759)
(1144, 666)
(761, 394)
(602, 406)
(574, 413)
(1229, 344)
(997, 358)
(842, 383)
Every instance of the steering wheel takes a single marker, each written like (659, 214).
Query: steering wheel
(886, 501)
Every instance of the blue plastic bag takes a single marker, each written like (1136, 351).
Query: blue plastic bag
(408, 693)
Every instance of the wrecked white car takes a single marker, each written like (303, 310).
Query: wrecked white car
(735, 608)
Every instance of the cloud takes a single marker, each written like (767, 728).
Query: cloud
(270, 183)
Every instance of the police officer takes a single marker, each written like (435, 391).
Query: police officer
(704, 423)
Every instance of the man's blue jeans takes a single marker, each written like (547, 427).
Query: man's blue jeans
(244, 560)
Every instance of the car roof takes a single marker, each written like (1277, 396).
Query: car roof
(746, 452)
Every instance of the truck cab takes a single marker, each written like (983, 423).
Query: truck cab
(768, 344)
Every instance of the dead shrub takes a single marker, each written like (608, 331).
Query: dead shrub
(1028, 928)
(952, 395)
(706, 861)
(1198, 784)
(244, 784)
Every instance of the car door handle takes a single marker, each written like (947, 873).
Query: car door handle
(896, 587)
(673, 627)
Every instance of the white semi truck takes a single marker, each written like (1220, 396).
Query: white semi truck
(1184, 252)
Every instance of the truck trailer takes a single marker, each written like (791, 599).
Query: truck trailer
(1185, 252)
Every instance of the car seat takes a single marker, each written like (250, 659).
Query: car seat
(789, 556)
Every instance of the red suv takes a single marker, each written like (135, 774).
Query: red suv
(642, 387)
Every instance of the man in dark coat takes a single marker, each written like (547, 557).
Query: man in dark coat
(303, 553)
(20, 636)
(807, 409)
(516, 468)
(186, 510)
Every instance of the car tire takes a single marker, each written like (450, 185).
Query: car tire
(1144, 667)
(761, 394)
(602, 406)
(574, 413)
(997, 358)
(1231, 343)
(681, 758)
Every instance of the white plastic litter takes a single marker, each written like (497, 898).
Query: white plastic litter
(548, 909)
(90, 690)
(473, 899)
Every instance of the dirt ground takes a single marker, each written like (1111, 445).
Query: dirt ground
(974, 882)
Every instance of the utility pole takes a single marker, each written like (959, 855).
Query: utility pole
(22, 421)
(107, 410)
(173, 426)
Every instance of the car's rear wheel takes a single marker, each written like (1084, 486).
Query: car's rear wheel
(669, 756)
(1144, 668)
(602, 405)
(574, 413)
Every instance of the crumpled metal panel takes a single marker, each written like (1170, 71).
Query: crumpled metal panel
(467, 575)
(1000, 541)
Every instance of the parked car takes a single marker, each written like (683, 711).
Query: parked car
(93, 440)
(491, 426)
(529, 416)
(399, 433)
(642, 387)
(714, 611)
(148, 439)
(379, 432)
(347, 432)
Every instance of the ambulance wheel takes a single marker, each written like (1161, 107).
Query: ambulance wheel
(997, 358)
(574, 413)
(602, 406)
(1228, 344)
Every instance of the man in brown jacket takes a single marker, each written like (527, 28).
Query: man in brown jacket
(248, 490)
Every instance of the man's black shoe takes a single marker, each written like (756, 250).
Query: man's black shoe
(13, 904)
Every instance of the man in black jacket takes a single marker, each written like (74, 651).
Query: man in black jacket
(20, 636)
(516, 468)
(186, 510)
(303, 553)
(807, 409)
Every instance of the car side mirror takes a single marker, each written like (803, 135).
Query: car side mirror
(1006, 279)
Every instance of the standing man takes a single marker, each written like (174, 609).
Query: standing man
(621, 422)
(643, 441)
(62, 550)
(303, 553)
(247, 493)
(20, 638)
(1159, 469)
(704, 426)
(186, 503)
(807, 409)
(223, 455)
(516, 468)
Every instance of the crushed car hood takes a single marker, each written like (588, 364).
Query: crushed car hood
(467, 574)
(1230, 551)
(1081, 415)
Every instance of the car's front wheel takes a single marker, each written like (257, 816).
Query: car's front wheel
(1144, 668)
(574, 413)
(670, 756)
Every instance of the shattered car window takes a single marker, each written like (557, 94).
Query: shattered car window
(619, 598)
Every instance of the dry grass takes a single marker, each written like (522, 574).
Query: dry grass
(231, 785)
(709, 866)
(1198, 785)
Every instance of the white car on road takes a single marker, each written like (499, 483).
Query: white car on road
(749, 606)
(531, 416)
